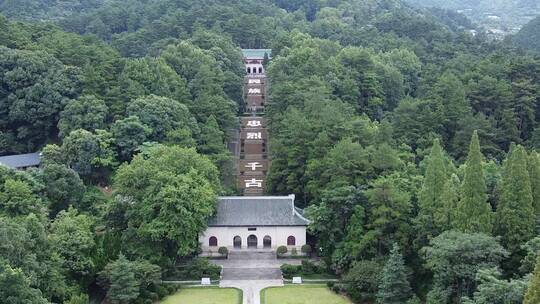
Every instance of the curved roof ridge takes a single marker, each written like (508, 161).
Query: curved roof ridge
(300, 215)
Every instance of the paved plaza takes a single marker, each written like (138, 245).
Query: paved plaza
(251, 271)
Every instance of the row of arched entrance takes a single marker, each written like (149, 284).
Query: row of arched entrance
(252, 242)
(254, 70)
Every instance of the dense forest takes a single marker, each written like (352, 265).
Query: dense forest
(411, 144)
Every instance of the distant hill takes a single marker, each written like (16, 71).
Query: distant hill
(499, 17)
(36, 10)
(529, 36)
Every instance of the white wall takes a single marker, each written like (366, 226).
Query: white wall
(279, 236)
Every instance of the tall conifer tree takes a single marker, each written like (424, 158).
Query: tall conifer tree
(429, 200)
(394, 287)
(474, 212)
(534, 174)
(449, 200)
(515, 213)
(124, 287)
(533, 292)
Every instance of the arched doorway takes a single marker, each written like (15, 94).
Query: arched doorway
(212, 242)
(252, 241)
(237, 242)
(260, 70)
(291, 241)
(267, 242)
(249, 70)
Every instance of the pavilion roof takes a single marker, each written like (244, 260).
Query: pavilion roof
(256, 53)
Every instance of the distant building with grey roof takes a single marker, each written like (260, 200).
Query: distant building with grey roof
(254, 59)
(256, 222)
(256, 53)
(21, 161)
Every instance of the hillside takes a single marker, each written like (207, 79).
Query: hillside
(498, 17)
(410, 144)
(529, 36)
(40, 10)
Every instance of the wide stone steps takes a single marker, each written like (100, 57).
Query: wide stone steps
(252, 255)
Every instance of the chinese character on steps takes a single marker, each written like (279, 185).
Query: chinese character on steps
(254, 165)
(254, 81)
(254, 91)
(254, 135)
(254, 123)
(253, 183)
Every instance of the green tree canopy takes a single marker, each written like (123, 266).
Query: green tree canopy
(125, 280)
(394, 287)
(455, 258)
(37, 87)
(72, 236)
(430, 200)
(494, 290)
(515, 218)
(162, 115)
(473, 212)
(124, 287)
(533, 291)
(88, 153)
(63, 187)
(87, 112)
(533, 166)
(181, 184)
(15, 287)
(129, 133)
(17, 198)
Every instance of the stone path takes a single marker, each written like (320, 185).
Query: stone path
(252, 271)
(251, 289)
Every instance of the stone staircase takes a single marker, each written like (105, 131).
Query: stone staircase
(251, 265)
(245, 255)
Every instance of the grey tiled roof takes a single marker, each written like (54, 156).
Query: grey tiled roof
(257, 211)
(21, 160)
(256, 53)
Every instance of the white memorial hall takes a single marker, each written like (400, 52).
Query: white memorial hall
(255, 222)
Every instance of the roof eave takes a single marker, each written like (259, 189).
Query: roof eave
(295, 225)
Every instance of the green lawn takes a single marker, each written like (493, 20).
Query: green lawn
(204, 295)
(301, 294)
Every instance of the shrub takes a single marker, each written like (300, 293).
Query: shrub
(325, 267)
(306, 249)
(294, 252)
(337, 288)
(171, 288)
(362, 281)
(223, 251)
(199, 268)
(309, 268)
(330, 284)
(290, 271)
(78, 299)
(162, 291)
(281, 250)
